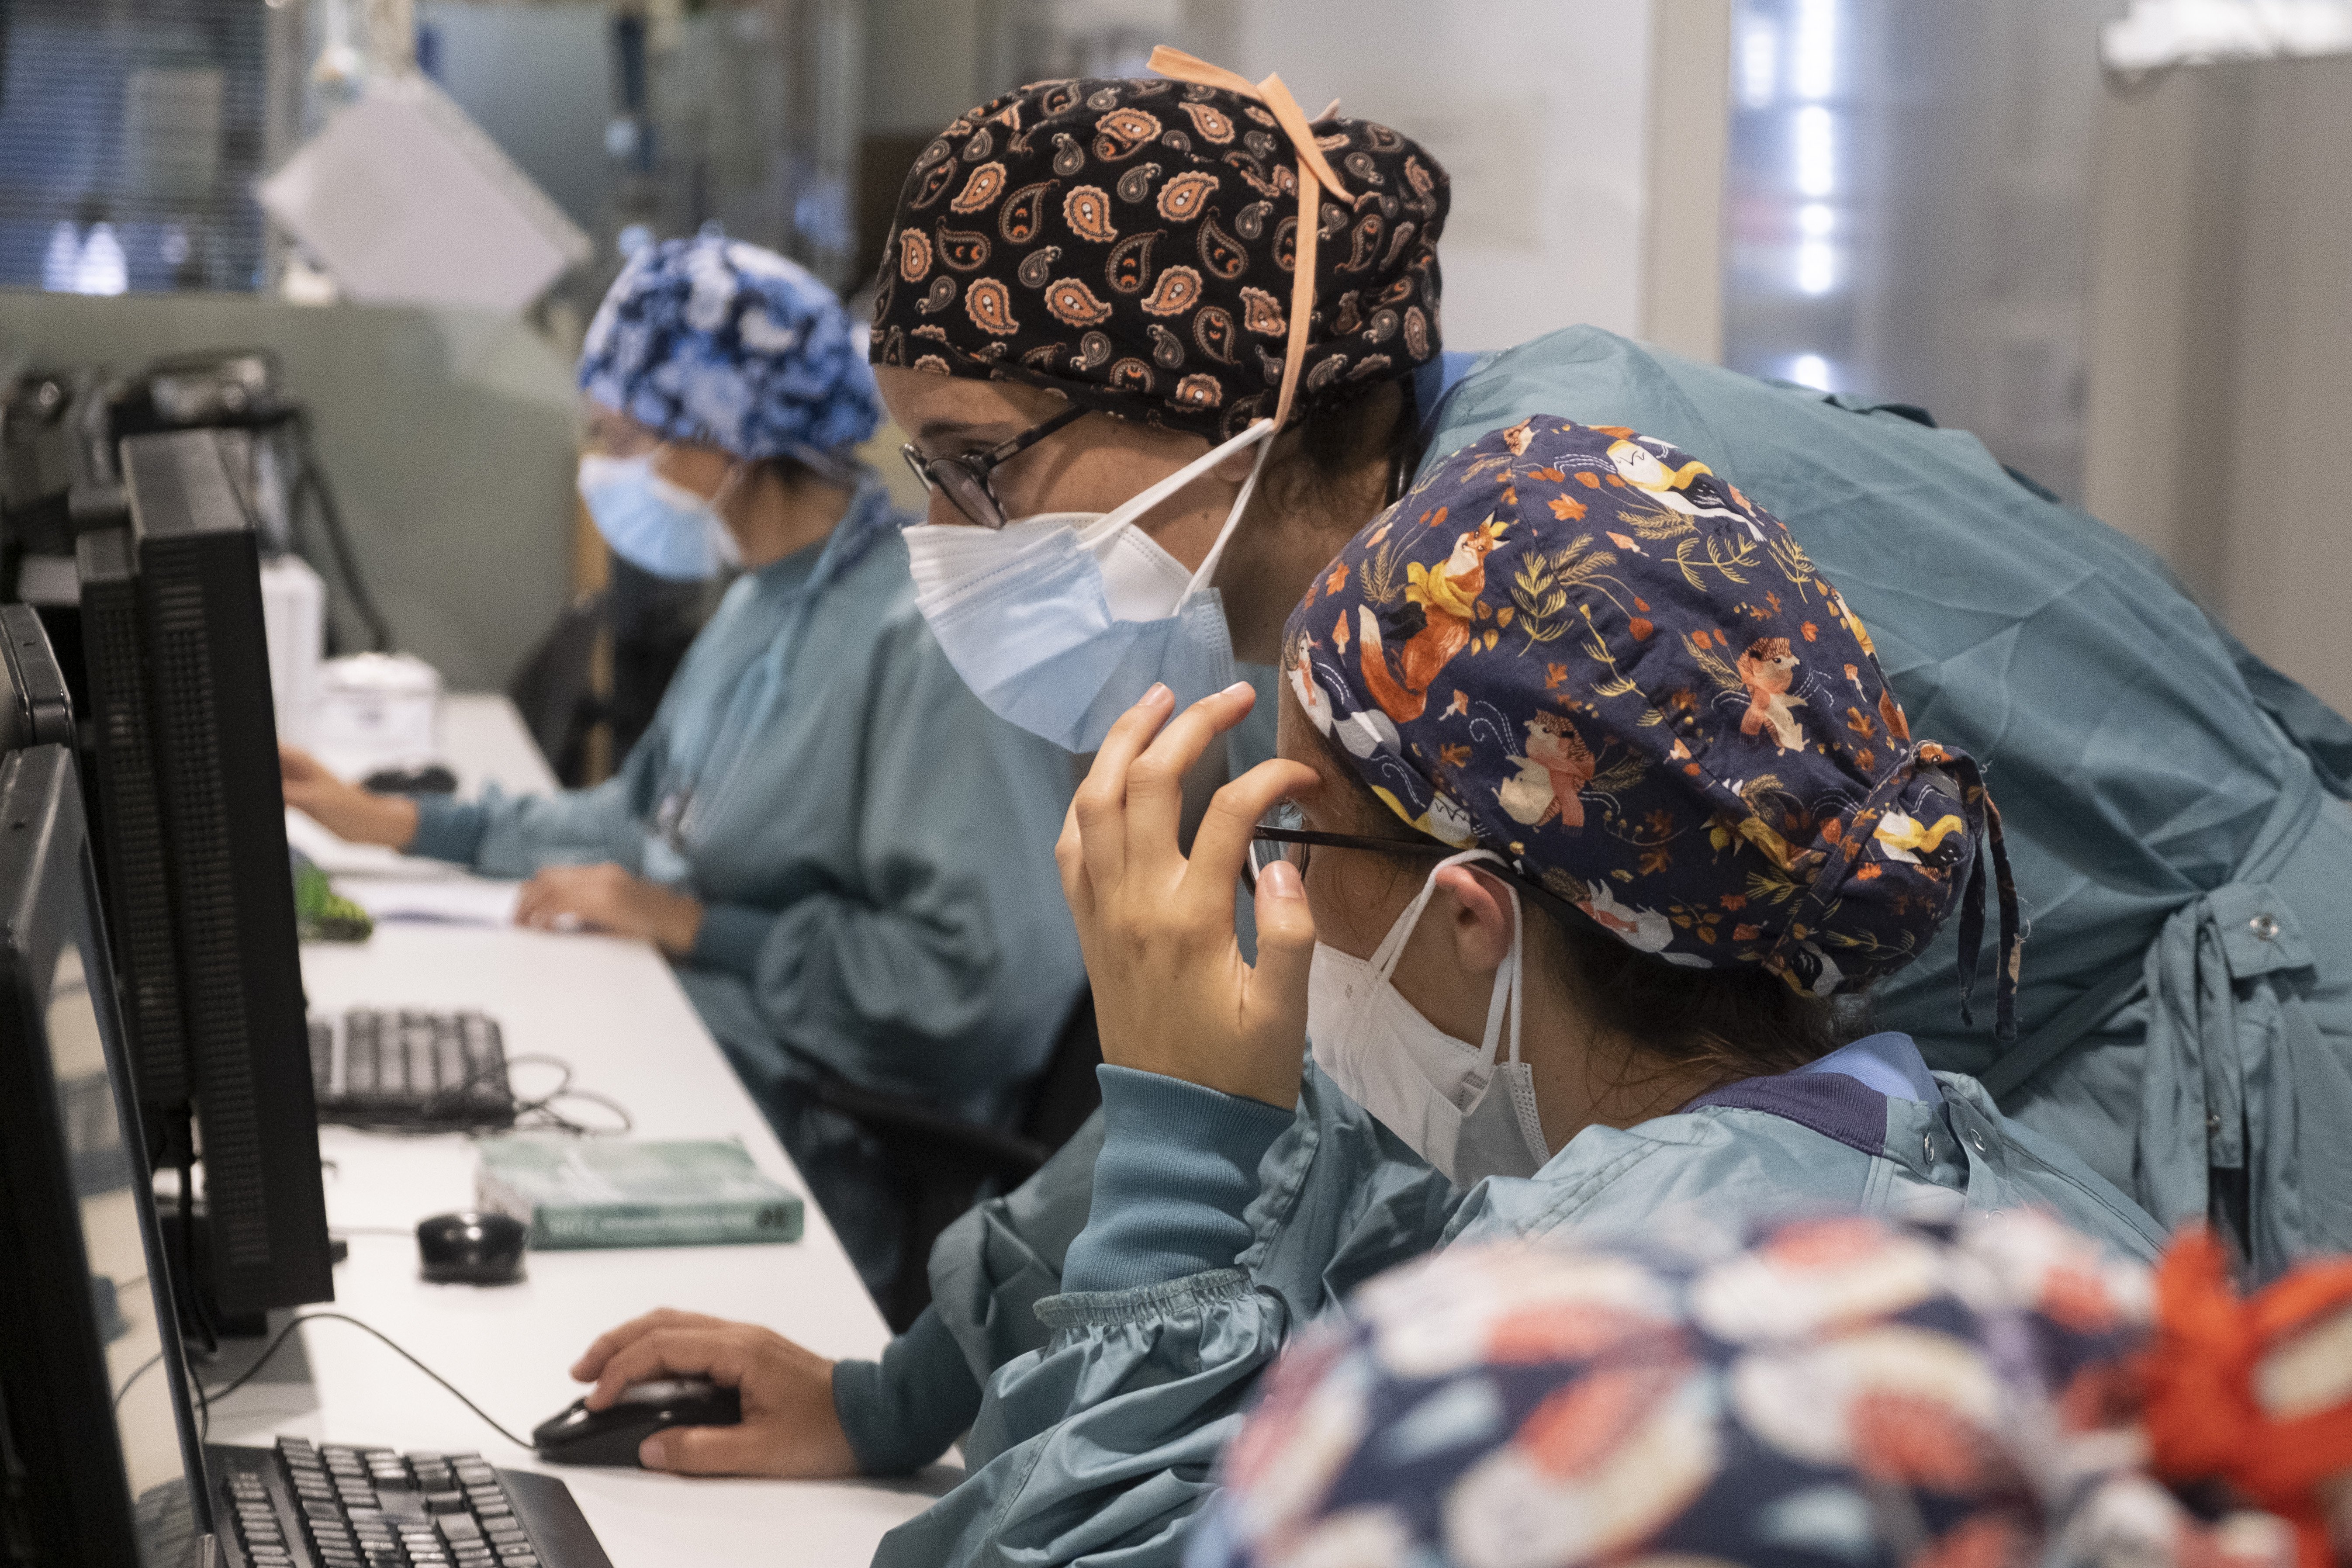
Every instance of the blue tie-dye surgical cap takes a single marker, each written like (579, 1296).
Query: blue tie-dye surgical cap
(717, 342)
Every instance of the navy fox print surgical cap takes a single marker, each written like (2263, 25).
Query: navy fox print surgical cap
(1580, 649)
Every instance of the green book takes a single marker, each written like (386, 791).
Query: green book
(625, 1191)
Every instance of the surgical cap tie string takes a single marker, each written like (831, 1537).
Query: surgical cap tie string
(1314, 172)
(1983, 820)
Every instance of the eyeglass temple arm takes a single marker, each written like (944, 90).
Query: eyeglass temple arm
(1524, 882)
(1030, 437)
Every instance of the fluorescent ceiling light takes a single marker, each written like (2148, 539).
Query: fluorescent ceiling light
(2158, 34)
(1816, 151)
(1813, 72)
(1760, 63)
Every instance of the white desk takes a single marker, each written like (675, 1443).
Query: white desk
(611, 1009)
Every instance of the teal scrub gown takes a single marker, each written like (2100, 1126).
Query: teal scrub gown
(2186, 1003)
(874, 850)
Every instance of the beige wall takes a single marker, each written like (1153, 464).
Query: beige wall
(2219, 398)
(1580, 194)
(1683, 175)
(1538, 109)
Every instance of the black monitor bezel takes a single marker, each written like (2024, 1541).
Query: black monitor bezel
(52, 1357)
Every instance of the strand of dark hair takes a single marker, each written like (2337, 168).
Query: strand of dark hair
(1339, 437)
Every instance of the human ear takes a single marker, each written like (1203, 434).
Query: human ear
(1479, 917)
(1234, 467)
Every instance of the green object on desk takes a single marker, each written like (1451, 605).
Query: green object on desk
(578, 1193)
(322, 914)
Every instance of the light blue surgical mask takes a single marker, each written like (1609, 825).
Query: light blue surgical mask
(653, 524)
(1061, 622)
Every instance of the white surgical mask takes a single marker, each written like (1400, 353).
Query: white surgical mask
(1459, 1108)
(1061, 622)
(653, 524)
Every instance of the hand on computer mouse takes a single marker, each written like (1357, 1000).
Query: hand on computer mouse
(789, 1428)
(608, 897)
(343, 809)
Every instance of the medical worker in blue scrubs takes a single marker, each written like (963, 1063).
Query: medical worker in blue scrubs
(846, 856)
(1095, 292)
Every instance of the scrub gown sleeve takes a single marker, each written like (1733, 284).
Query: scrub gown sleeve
(514, 835)
(877, 982)
(989, 1270)
(1100, 1447)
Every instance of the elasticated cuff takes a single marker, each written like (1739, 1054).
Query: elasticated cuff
(448, 829)
(1179, 1166)
(731, 938)
(901, 1412)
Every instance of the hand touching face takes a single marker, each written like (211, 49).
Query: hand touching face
(1171, 990)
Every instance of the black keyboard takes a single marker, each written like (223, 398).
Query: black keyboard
(300, 1505)
(381, 1067)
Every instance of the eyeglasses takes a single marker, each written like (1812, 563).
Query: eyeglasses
(963, 478)
(1282, 833)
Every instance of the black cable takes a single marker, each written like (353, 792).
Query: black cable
(310, 476)
(187, 1210)
(279, 1338)
(144, 1367)
(550, 1119)
(313, 479)
(536, 1114)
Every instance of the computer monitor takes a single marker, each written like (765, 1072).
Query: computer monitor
(184, 741)
(100, 1460)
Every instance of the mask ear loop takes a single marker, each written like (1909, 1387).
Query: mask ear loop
(1385, 956)
(1512, 985)
(1507, 987)
(1141, 503)
(1208, 569)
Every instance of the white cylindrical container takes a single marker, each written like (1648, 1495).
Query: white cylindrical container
(294, 614)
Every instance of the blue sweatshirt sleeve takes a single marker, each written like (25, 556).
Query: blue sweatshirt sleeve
(1179, 1166)
(901, 1412)
(729, 939)
(449, 829)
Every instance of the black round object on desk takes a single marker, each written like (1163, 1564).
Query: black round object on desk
(472, 1249)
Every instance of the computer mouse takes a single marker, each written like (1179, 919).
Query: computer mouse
(579, 1435)
(430, 779)
(472, 1249)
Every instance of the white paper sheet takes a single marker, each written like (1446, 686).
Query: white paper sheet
(341, 857)
(445, 900)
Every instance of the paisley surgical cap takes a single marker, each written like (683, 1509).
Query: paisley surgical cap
(716, 341)
(1136, 244)
(1579, 648)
